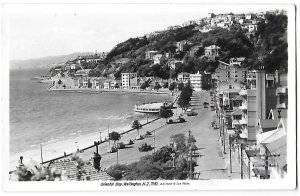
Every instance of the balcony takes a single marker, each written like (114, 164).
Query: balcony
(281, 106)
(281, 90)
(242, 121)
(244, 106)
(243, 92)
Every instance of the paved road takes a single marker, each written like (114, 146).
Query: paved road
(211, 163)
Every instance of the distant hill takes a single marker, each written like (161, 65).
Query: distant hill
(44, 62)
(267, 47)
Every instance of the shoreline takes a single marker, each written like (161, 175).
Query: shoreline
(109, 91)
(57, 148)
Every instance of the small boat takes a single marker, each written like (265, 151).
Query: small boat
(45, 81)
(153, 107)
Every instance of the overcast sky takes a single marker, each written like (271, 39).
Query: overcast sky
(37, 30)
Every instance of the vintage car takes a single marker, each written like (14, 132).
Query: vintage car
(145, 147)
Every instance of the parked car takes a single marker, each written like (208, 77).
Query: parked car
(145, 147)
(113, 149)
(139, 137)
(191, 112)
(129, 142)
(178, 120)
(120, 145)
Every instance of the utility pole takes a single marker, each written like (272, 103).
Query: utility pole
(100, 138)
(191, 156)
(108, 137)
(191, 170)
(41, 153)
(241, 161)
(230, 145)
(117, 156)
(154, 141)
(224, 151)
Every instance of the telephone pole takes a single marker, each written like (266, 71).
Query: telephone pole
(242, 161)
(41, 153)
(154, 141)
(230, 145)
(224, 151)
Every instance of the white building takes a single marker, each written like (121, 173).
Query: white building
(212, 50)
(183, 77)
(157, 58)
(127, 78)
(149, 54)
(196, 81)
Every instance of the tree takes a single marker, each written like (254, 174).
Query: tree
(157, 86)
(166, 84)
(185, 97)
(114, 136)
(117, 171)
(165, 113)
(145, 85)
(180, 86)
(179, 141)
(163, 155)
(172, 86)
(136, 125)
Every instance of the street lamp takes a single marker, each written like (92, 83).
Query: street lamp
(223, 130)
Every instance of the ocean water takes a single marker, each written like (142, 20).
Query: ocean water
(37, 116)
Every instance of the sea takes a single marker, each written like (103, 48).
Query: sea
(61, 122)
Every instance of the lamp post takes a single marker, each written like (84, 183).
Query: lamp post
(100, 138)
(154, 140)
(224, 151)
(117, 156)
(230, 146)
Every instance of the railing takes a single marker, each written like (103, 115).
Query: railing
(243, 92)
(281, 90)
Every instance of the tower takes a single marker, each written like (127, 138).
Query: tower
(260, 93)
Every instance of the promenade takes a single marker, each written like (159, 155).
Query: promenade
(211, 163)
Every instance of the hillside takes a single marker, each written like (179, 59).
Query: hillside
(268, 47)
(44, 62)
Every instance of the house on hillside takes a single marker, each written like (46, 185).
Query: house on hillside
(158, 58)
(212, 51)
(82, 73)
(149, 54)
(173, 63)
(194, 49)
(182, 45)
(236, 61)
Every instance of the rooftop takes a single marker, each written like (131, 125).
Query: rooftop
(267, 123)
(212, 47)
(279, 147)
(70, 168)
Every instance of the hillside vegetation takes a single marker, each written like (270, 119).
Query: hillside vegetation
(268, 48)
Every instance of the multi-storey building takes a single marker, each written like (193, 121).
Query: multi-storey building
(149, 54)
(200, 81)
(212, 51)
(183, 77)
(129, 80)
(227, 72)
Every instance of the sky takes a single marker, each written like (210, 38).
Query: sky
(38, 30)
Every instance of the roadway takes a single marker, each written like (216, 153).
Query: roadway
(211, 163)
